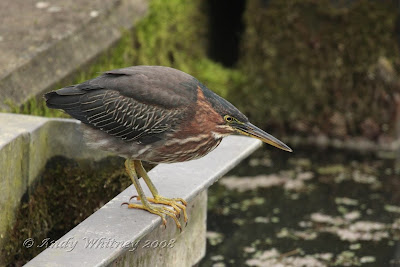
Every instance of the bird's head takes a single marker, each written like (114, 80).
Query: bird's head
(244, 127)
(231, 121)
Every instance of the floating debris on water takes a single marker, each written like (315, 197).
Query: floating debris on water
(319, 208)
(242, 184)
(214, 238)
(346, 201)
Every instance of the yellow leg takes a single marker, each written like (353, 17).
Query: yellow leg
(157, 199)
(131, 168)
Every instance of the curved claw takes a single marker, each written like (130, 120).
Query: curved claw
(132, 197)
(173, 215)
(124, 203)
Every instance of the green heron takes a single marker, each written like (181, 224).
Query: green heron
(154, 114)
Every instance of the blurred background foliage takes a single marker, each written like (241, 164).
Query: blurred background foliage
(294, 67)
(321, 66)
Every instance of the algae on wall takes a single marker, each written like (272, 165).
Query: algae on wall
(320, 66)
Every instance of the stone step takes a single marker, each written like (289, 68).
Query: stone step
(44, 42)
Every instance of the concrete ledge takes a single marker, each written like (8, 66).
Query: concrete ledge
(134, 229)
(61, 41)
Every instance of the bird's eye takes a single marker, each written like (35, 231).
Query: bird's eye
(228, 118)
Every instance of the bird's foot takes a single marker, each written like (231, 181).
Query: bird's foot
(158, 210)
(173, 202)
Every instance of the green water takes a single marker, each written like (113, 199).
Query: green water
(308, 208)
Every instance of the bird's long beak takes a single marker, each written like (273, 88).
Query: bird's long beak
(251, 130)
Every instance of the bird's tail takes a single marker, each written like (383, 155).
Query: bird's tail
(67, 99)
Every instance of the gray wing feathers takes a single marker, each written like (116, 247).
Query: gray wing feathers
(124, 117)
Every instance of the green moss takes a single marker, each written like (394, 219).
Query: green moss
(316, 66)
(175, 34)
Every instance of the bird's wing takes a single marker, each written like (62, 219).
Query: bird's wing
(155, 85)
(102, 104)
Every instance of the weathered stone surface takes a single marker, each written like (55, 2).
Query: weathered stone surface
(43, 42)
(14, 163)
